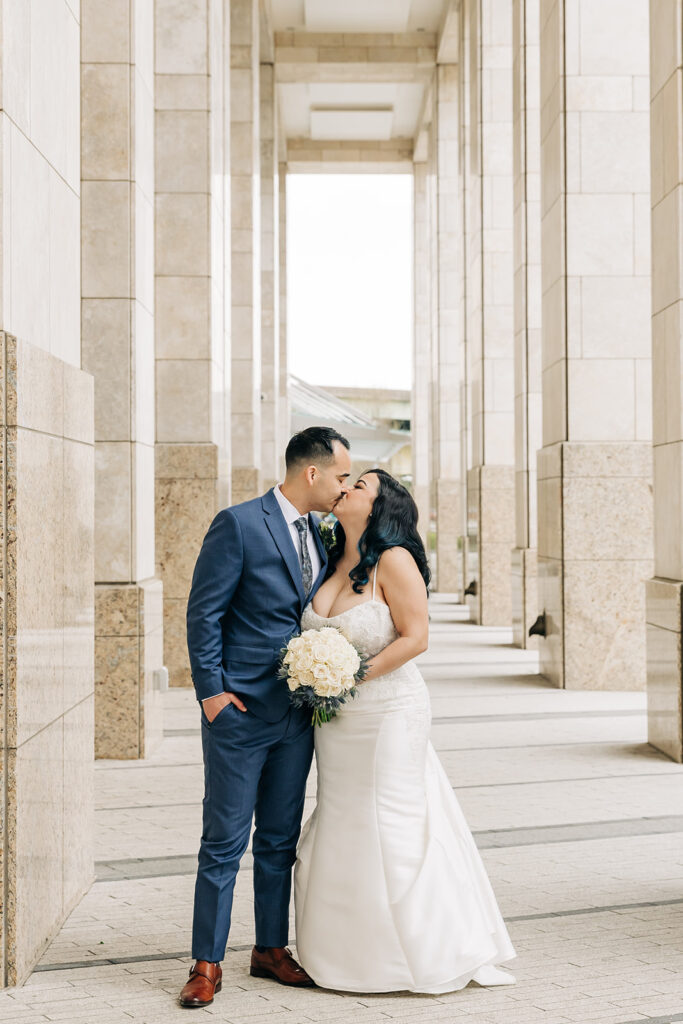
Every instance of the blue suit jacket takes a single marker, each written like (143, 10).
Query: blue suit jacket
(245, 603)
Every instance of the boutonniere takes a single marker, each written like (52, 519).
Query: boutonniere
(327, 534)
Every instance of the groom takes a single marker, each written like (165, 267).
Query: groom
(260, 564)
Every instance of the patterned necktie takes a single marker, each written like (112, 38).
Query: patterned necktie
(306, 567)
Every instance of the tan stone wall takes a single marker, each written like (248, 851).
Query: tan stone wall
(46, 426)
(117, 113)
(246, 249)
(47, 646)
(486, 77)
(271, 442)
(594, 495)
(192, 276)
(420, 412)
(185, 505)
(527, 311)
(664, 659)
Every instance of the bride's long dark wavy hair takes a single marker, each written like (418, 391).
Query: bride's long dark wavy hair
(392, 523)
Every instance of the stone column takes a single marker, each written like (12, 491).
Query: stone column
(118, 349)
(448, 338)
(46, 492)
(422, 353)
(490, 481)
(527, 311)
(271, 442)
(284, 411)
(192, 292)
(594, 470)
(246, 246)
(665, 589)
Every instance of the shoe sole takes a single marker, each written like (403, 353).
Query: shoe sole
(260, 972)
(197, 1006)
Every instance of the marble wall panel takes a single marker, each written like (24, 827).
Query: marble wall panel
(186, 502)
(106, 239)
(185, 508)
(284, 402)
(129, 630)
(118, 325)
(105, 334)
(151, 657)
(486, 114)
(525, 606)
(473, 562)
(106, 110)
(604, 635)
(422, 356)
(48, 638)
(192, 328)
(113, 503)
(79, 800)
(182, 234)
(36, 808)
(182, 159)
(182, 409)
(117, 691)
(271, 442)
(246, 312)
(550, 600)
(183, 317)
(596, 513)
(664, 671)
(105, 32)
(448, 537)
(79, 573)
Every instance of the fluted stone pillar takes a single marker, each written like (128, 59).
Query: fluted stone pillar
(284, 410)
(527, 310)
(271, 442)
(665, 589)
(422, 353)
(117, 215)
(246, 249)
(490, 480)
(594, 470)
(191, 127)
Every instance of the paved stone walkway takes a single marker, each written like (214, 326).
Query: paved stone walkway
(579, 821)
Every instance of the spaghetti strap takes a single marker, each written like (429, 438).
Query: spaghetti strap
(374, 579)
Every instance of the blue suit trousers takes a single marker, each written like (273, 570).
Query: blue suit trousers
(253, 769)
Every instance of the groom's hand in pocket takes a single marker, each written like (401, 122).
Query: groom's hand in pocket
(212, 705)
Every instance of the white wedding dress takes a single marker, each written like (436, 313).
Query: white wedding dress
(390, 891)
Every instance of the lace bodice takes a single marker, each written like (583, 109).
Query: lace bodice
(368, 626)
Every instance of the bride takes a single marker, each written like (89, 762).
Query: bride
(390, 891)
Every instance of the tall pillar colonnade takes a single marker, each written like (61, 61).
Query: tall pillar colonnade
(565, 160)
(144, 345)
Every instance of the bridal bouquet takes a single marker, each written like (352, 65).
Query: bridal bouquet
(322, 668)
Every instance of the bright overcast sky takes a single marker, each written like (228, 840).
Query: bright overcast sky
(349, 278)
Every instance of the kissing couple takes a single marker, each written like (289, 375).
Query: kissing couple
(390, 891)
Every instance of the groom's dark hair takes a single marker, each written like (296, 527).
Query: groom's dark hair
(314, 444)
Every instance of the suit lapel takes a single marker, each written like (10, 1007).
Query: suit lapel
(275, 521)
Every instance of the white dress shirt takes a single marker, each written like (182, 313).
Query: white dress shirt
(291, 514)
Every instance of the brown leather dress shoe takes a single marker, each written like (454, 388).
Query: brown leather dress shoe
(205, 979)
(280, 965)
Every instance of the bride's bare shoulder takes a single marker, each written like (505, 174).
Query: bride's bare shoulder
(397, 562)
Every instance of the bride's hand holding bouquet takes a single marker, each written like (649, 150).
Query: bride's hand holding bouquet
(322, 668)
